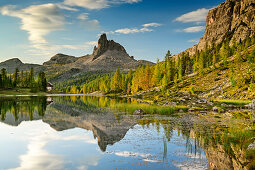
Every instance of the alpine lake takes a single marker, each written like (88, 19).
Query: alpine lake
(88, 132)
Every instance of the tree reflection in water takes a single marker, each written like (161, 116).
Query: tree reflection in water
(225, 145)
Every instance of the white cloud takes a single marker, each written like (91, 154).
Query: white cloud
(132, 154)
(93, 43)
(37, 20)
(62, 6)
(152, 25)
(145, 28)
(97, 4)
(52, 49)
(84, 16)
(194, 29)
(89, 4)
(38, 156)
(88, 24)
(145, 157)
(194, 16)
(132, 30)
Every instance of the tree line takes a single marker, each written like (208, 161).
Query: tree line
(171, 71)
(23, 79)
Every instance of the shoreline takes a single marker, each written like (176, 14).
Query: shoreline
(49, 95)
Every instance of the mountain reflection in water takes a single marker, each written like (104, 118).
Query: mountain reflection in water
(120, 134)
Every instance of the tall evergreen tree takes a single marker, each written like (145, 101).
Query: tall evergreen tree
(116, 81)
(16, 77)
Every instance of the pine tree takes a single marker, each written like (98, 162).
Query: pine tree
(156, 75)
(129, 81)
(179, 66)
(201, 63)
(146, 83)
(164, 83)
(116, 81)
(31, 78)
(225, 53)
(16, 77)
(1, 81)
(42, 83)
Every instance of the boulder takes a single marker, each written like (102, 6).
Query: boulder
(251, 105)
(191, 110)
(215, 109)
(139, 112)
(251, 146)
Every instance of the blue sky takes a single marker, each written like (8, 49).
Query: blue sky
(36, 30)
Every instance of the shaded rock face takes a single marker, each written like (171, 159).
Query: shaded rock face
(105, 45)
(233, 18)
(61, 59)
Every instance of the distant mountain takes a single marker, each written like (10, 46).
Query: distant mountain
(60, 59)
(12, 64)
(106, 57)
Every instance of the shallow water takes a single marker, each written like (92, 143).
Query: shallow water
(89, 133)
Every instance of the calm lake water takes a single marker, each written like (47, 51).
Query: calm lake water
(81, 132)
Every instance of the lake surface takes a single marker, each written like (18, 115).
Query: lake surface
(85, 132)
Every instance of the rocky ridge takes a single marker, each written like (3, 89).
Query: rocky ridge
(234, 19)
(12, 64)
(60, 59)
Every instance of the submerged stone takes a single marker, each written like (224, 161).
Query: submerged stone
(139, 112)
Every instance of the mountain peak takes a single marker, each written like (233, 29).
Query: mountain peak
(105, 45)
(14, 61)
(60, 59)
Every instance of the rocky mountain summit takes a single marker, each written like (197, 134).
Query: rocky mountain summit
(234, 19)
(12, 64)
(106, 57)
(61, 59)
(104, 45)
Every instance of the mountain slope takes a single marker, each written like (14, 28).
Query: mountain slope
(106, 57)
(12, 64)
(60, 59)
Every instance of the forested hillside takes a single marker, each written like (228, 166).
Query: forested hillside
(232, 66)
(23, 79)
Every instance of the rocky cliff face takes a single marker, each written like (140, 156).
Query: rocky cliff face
(104, 45)
(233, 18)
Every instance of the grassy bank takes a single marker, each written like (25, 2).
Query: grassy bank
(240, 103)
(150, 109)
(19, 91)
